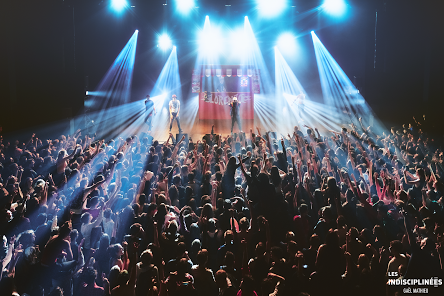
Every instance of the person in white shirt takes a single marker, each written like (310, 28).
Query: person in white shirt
(87, 227)
(174, 112)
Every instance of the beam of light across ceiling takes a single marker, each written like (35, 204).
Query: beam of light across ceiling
(167, 84)
(290, 94)
(338, 91)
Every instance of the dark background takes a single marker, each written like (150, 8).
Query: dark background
(52, 51)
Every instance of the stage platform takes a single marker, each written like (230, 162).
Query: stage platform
(200, 128)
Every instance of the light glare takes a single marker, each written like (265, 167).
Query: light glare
(240, 43)
(210, 41)
(185, 6)
(271, 8)
(164, 42)
(287, 43)
(335, 7)
(118, 5)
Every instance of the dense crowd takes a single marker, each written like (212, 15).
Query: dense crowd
(245, 214)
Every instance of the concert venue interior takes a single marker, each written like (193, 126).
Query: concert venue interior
(83, 69)
(69, 63)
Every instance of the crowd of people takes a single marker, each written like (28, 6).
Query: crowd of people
(350, 212)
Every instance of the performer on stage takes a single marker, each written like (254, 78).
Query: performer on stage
(174, 112)
(235, 116)
(150, 110)
(205, 96)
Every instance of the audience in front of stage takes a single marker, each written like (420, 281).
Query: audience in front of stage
(245, 214)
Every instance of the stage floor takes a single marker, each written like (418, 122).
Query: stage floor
(200, 128)
(197, 128)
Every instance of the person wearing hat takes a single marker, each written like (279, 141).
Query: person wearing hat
(235, 116)
(150, 110)
(174, 112)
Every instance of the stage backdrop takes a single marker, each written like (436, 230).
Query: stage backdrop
(217, 85)
(215, 105)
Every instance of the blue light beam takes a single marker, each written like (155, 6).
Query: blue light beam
(167, 84)
(290, 95)
(164, 42)
(337, 89)
(115, 86)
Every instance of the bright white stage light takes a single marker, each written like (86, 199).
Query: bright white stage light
(118, 5)
(239, 42)
(287, 43)
(184, 6)
(270, 8)
(210, 41)
(335, 7)
(164, 42)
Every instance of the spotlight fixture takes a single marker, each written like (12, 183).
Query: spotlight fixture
(269, 8)
(119, 5)
(164, 42)
(185, 6)
(287, 43)
(335, 7)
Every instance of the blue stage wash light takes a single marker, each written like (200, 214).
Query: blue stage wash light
(240, 43)
(340, 95)
(335, 7)
(118, 5)
(184, 6)
(164, 42)
(287, 43)
(167, 84)
(211, 41)
(271, 8)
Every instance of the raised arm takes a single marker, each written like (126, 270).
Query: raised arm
(176, 148)
(146, 177)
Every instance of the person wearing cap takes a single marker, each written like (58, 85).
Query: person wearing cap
(150, 110)
(235, 116)
(174, 112)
